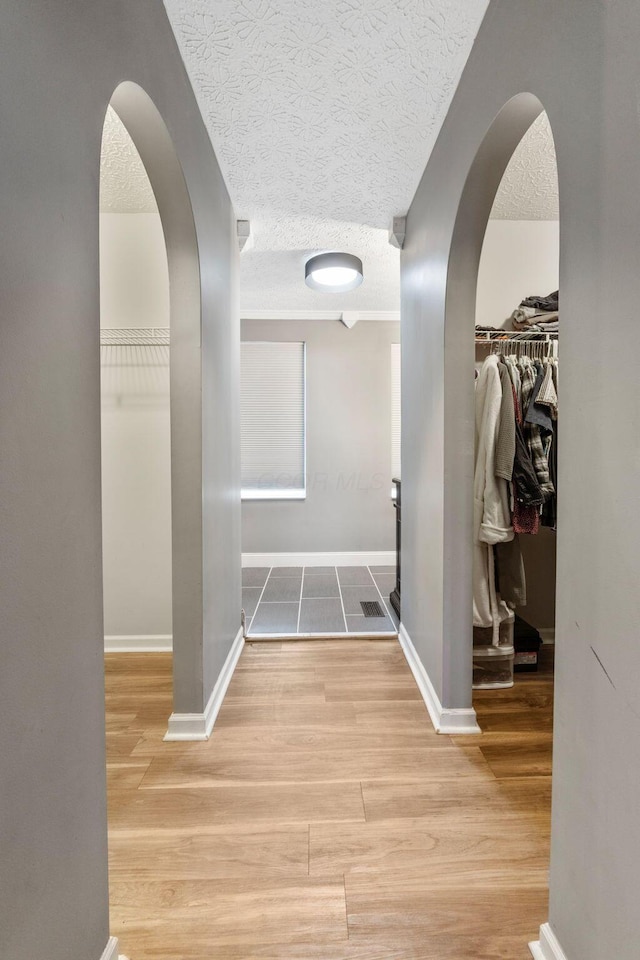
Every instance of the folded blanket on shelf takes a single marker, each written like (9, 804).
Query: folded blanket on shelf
(524, 318)
(542, 303)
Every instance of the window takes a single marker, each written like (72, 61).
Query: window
(395, 410)
(273, 420)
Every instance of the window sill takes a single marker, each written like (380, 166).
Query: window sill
(273, 495)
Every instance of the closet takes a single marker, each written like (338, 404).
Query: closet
(515, 487)
(135, 402)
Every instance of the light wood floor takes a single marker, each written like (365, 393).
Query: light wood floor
(324, 820)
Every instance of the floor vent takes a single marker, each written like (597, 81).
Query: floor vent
(371, 608)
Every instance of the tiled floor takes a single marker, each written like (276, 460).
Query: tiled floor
(316, 600)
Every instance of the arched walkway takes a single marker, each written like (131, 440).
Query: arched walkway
(154, 144)
(481, 187)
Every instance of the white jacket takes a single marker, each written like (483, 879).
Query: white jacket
(491, 514)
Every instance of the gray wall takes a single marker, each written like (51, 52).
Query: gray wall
(348, 505)
(580, 59)
(59, 65)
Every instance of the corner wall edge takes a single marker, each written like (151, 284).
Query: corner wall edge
(548, 946)
(444, 719)
(110, 952)
(198, 726)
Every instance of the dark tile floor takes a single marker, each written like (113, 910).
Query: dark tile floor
(317, 600)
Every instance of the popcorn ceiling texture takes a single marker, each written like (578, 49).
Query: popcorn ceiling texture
(124, 184)
(325, 110)
(529, 188)
(323, 117)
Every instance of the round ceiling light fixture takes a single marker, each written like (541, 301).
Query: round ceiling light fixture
(333, 272)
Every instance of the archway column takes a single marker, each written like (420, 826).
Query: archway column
(439, 282)
(197, 698)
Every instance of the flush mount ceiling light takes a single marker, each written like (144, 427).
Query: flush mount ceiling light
(333, 272)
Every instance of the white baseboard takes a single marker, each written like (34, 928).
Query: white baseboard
(293, 637)
(548, 946)
(444, 719)
(139, 643)
(198, 726)
(111, 950)
(547, 634)
(365, 558)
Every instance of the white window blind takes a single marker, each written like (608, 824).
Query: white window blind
(395, 410)
(273, 420)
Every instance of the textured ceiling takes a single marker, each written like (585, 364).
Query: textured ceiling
(323, 117)
(325, 110)
(124, 184)
(529, 188)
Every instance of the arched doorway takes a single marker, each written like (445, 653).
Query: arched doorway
(478, 196)
(146, 128)
(135, 398)
(519, 267)
(461, 571)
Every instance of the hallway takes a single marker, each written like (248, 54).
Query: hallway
(324, 818)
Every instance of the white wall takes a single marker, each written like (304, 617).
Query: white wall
(136, 465)
(519, 258)
(136, 520)
(134, 278)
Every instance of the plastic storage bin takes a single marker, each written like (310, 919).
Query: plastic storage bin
(492, 667)
(483, 636)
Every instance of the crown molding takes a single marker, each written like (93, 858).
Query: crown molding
(379, 316)
(243, 233)
(398, 232)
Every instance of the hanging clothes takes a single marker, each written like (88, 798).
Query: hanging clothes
(549, 396)
(506, 441)
(492, 515)
(527, 494)
(510, 581)
(532, 379)
(514, 476)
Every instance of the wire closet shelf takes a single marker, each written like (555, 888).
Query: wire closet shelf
(535, 342)
(134, 362)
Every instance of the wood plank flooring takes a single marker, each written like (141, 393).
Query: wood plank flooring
(324, 819)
